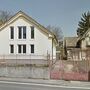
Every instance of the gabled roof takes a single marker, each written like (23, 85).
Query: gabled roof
(71, 41)
(31, 20)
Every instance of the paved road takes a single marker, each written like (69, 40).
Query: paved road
(32, 86)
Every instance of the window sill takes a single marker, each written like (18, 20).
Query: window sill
(32, 39)
(11, 39)
(21, 39)
(11, 53)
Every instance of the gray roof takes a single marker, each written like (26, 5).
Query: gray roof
(70, 41)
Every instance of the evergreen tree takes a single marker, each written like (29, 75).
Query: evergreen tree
(84, 24)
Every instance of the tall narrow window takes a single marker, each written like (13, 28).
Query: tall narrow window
(32, 32)
(12, 32)
(19, 48)
(32, 48)
(24, 32)
(19, 32)
(11, 48)
(24, 48)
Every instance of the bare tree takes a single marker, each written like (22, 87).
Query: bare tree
(59, 35)
(57, 31)
(4, 16)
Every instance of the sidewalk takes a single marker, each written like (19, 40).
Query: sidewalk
(49, 82)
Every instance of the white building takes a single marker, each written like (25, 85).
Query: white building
(22, 37)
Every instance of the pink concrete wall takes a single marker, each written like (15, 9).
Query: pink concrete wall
(69, 70)
(69, 76)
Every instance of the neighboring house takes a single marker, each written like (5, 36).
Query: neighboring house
(77, 48)
(85, 40)
(23, 38)
(70, 43)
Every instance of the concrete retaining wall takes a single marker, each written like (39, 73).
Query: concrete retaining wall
(25, 71)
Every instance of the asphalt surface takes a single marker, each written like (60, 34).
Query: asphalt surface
(29, 86)
(40, 84)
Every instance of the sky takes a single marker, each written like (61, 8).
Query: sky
(60, 13)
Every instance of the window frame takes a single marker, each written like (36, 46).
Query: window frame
(19, 32)
(32, 48)
(22, 32)
(32, 32)
(24, 48)
(21, 48)
(11, 32)
(11, 49)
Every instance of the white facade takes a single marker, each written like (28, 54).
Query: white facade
(42, 43)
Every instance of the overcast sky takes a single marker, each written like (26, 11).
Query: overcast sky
(62, 13)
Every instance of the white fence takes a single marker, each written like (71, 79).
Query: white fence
(24, 59)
